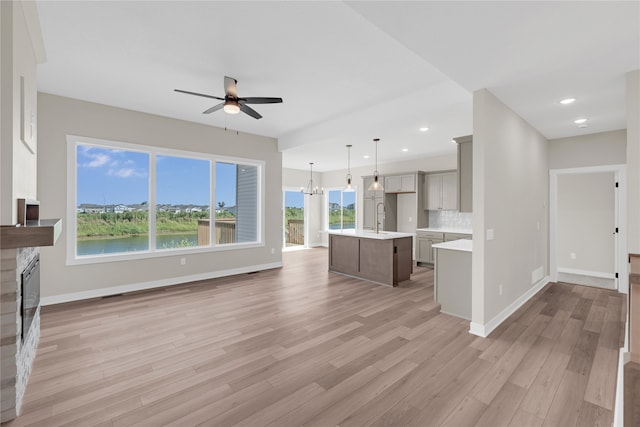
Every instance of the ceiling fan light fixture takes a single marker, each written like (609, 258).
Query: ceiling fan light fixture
(231, 107)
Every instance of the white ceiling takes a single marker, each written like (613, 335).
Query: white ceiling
(348, 71)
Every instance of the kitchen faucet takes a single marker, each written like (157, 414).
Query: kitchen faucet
(377, 216)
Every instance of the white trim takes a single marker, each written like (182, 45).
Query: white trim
(152, 151)
(484, 330)
(587, 273)
(618, 408)
(620, 251)
(95, 293)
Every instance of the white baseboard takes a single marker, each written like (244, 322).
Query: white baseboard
(598, 274)
(484, 330)
(95, 293)
(618, 409)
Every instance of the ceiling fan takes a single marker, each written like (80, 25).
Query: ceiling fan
(233, 104)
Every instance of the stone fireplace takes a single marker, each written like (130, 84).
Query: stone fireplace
(19, 246)
(16, 352)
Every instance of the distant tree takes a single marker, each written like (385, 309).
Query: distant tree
(221, 205)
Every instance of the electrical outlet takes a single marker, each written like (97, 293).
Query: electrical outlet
(572, 255)
(273, 251)
(499, 289)
(183, 261)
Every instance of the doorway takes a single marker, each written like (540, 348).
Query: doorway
(293, 219)
(586, 218)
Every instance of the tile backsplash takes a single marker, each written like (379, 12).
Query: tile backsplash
(450, 219)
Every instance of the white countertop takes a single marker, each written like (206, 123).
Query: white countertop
(456, 245)
(445, 230)
(383, 235)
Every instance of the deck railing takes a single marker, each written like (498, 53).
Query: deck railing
(225, 231)
(295, 232)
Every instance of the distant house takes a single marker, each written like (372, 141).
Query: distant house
(90, 208)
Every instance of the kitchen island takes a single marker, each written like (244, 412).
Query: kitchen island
(384, 257)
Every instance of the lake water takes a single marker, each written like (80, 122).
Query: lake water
(133, 244)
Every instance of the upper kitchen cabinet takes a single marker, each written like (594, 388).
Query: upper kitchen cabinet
(441, 191)
(465, 173)
(400, 183)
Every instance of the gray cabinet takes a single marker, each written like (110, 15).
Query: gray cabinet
(400, 183)
(424, 242)
(465, 173)
(441, 191)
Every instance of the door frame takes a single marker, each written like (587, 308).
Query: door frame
(620, 213)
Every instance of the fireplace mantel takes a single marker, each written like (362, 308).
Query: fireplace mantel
(31, 231)
(43, 232)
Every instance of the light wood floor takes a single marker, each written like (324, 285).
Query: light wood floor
(301, 346)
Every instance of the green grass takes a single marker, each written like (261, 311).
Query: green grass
(110, 225)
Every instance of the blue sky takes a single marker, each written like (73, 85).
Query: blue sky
(110, 176)
(293, 199)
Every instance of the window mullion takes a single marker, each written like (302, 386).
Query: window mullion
(152, 202)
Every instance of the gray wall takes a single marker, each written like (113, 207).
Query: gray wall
(597, 149)
(59, 117)
(586, 219)
(510, 197)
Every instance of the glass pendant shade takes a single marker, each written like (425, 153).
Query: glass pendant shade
(349, 178)
(375, 185)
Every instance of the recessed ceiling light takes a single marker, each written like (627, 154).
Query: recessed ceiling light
(580, 121)
(366, 156)
(424, 129)
(405, 149)
(568, 101)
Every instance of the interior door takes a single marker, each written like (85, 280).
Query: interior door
(586, 237)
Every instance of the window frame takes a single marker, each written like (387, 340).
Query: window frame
(73, 141)
(328, 215)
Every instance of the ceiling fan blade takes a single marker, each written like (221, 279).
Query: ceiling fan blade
(259, 100)
(199, 94)
(214, 108)
(230, 86)
(250, 111)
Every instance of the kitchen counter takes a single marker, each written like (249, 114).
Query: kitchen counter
(456, 245)
(384, 258)
(366, 234)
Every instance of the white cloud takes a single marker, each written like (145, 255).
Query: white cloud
(125, 173)
(97, 160)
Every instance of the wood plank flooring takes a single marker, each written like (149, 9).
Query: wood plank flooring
(302, 346)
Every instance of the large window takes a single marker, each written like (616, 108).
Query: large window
(341, 210)
(130, 200)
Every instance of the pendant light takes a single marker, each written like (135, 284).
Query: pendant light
(375, 185)
(311, 189)
(348, 187)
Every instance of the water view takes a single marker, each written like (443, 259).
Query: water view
(135, 244)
